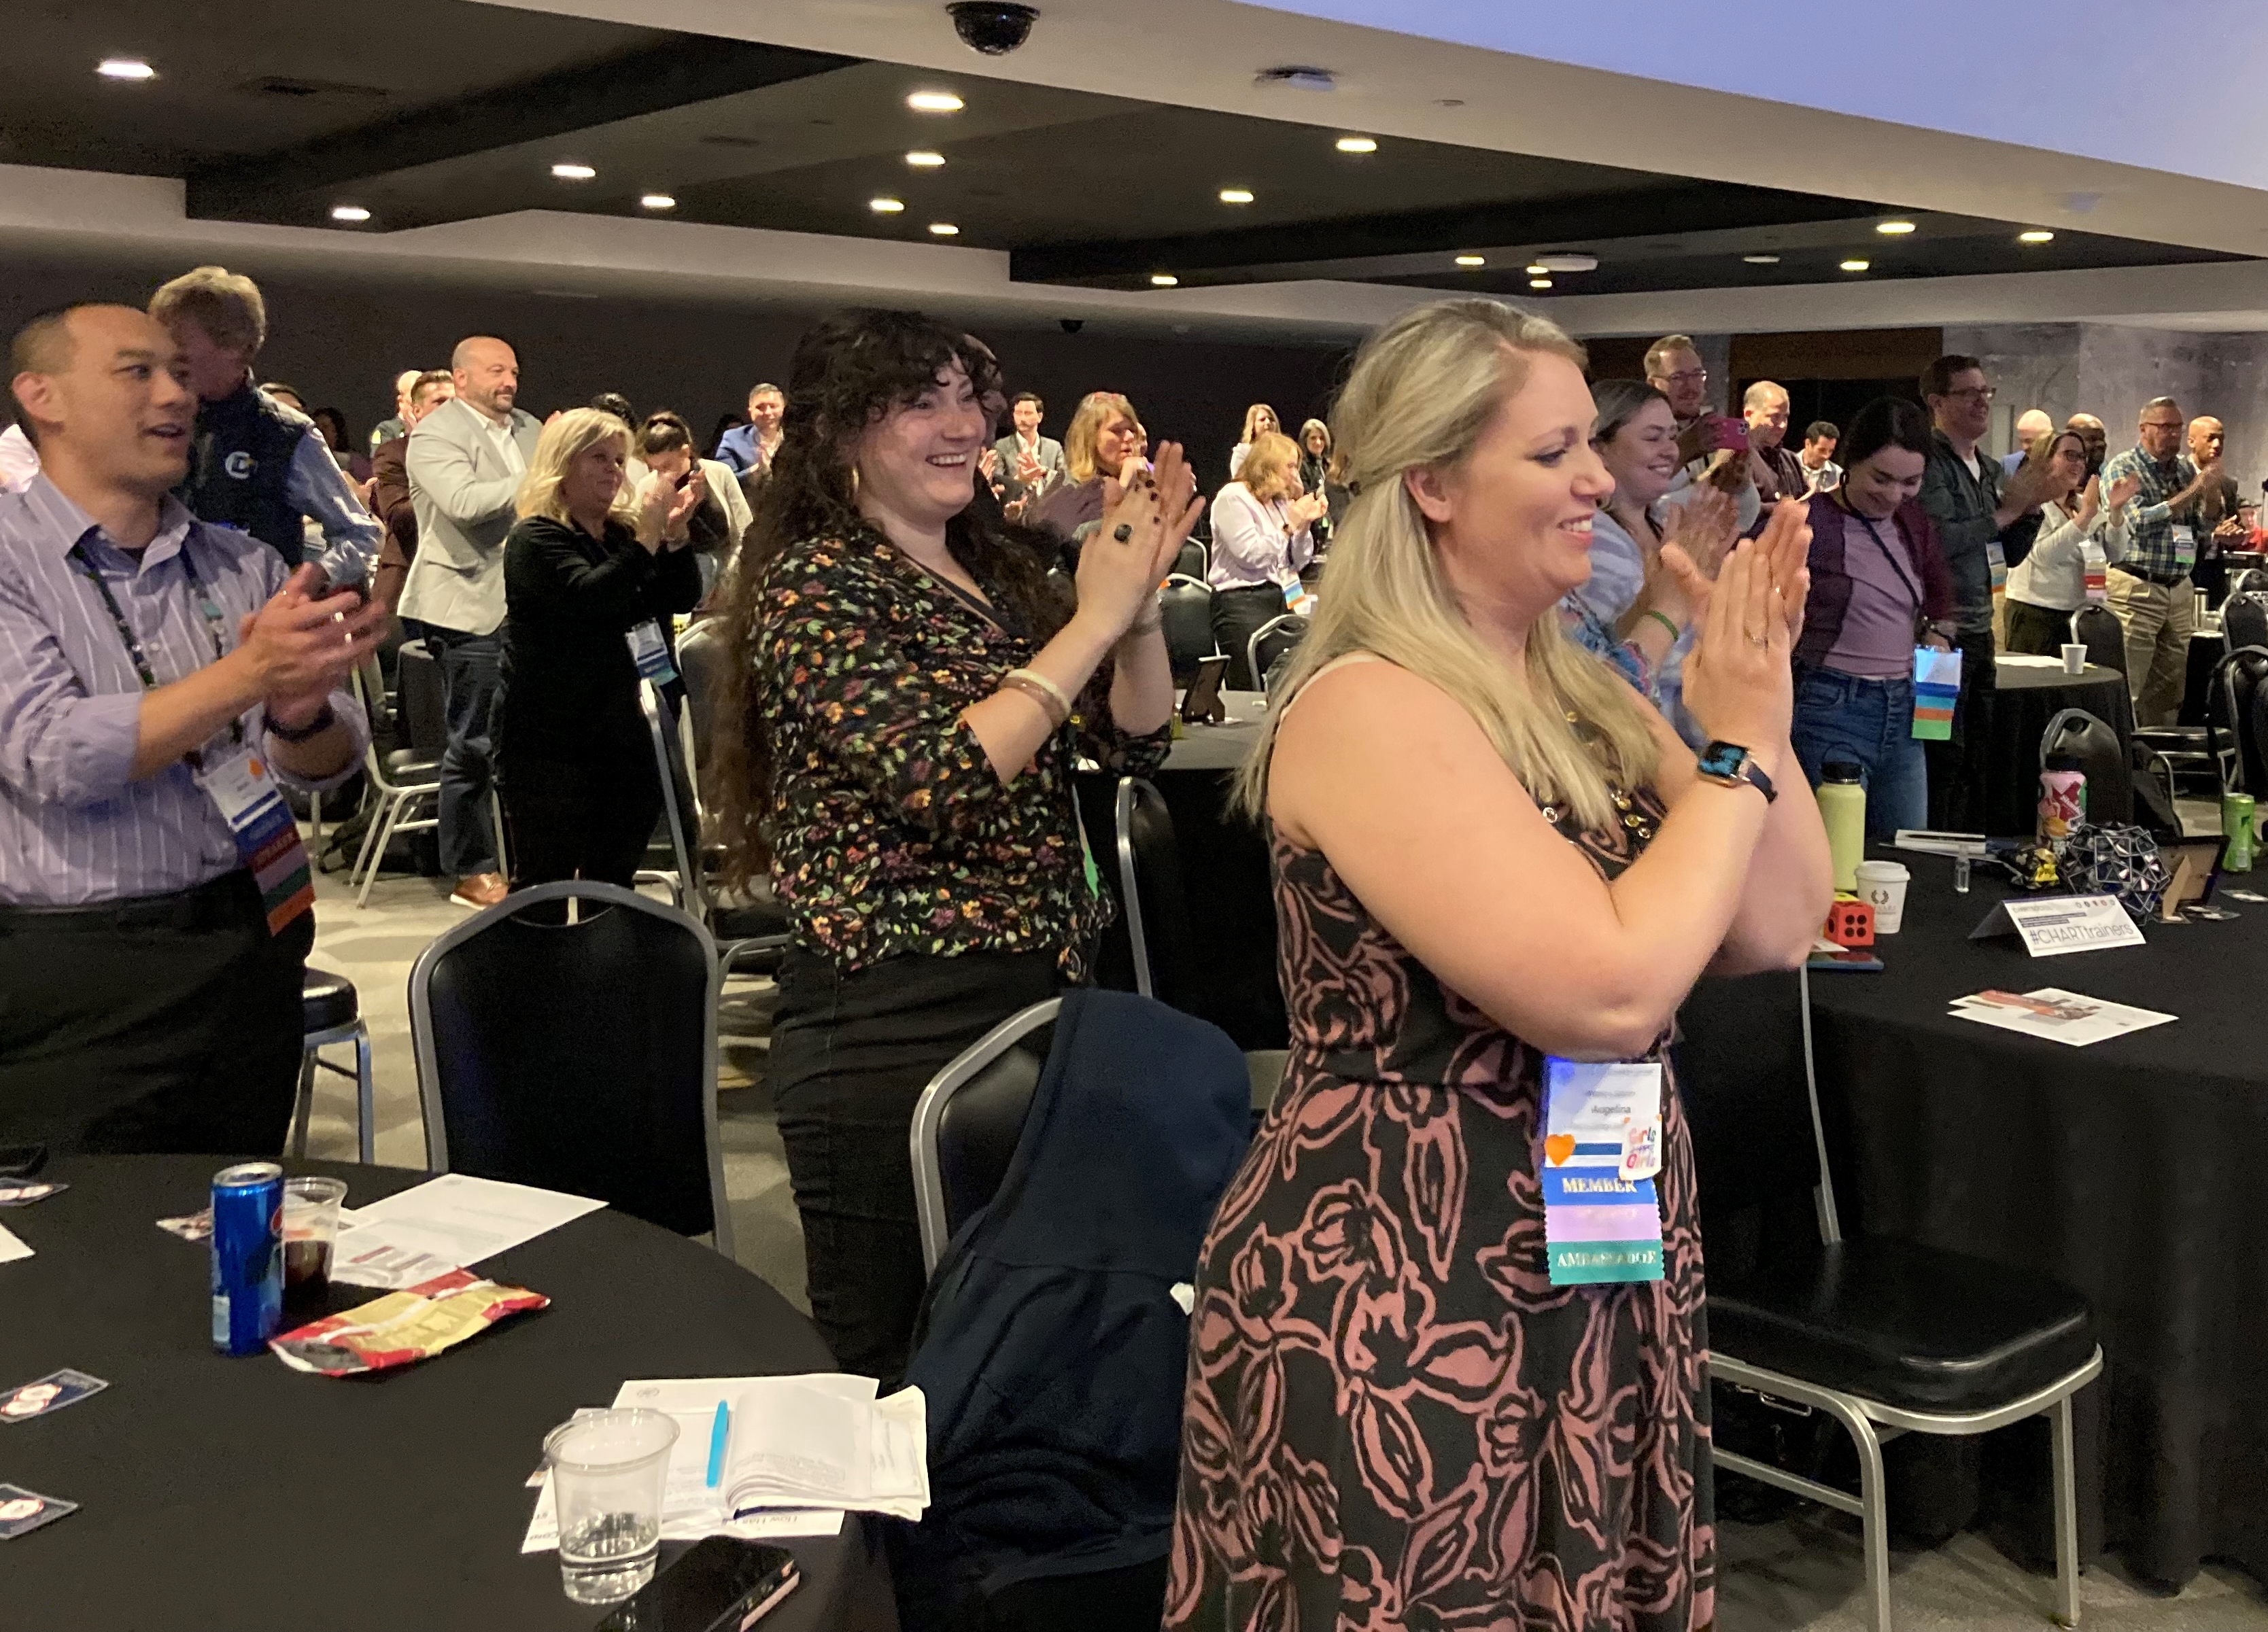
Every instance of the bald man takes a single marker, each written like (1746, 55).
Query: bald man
(2031, 425)
(1778, 474)
(465, 461)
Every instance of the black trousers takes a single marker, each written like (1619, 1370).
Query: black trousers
(1238, 614)
(1960, 768)
(165, 1024)
(2037, 631)
(590, 819)
(850, 1053)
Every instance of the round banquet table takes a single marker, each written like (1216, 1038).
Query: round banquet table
(236, 1492)
(2027, 695)
(2129, 1169)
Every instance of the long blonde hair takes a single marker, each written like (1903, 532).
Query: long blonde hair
(1096, 409)
(1252, 420)
(1423, 391)
(563, 441)
(1272, 458)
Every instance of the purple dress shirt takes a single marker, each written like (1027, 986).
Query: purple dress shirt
(74, 828)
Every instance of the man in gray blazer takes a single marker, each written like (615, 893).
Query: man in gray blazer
(1030, 463)
(466, 459)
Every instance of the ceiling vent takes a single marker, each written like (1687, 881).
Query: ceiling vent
(289, 89)
(721, 140)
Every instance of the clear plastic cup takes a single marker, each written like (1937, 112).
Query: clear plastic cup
(311, 1232)
(607, 1472)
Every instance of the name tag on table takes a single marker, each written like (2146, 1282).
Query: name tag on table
(1601, 1150)
(266, 837)
(2184, 546)
(650, 652)
(1937, 687)
(2057, 924)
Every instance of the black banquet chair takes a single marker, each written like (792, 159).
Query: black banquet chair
(2240, 709)
(1272, 642)
(2175, 750)
(2244, 620)
(1883, 1337)
(579, 1055)
(1186, 605)
(752, 934)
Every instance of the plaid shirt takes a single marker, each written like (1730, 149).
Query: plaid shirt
(2150, 519)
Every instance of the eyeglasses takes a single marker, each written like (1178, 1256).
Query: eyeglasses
(1691, 377)
(2162, 424)
(1981, 393)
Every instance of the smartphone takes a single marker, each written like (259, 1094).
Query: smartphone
(21, 1161)
(719, 1584)
(1202, 698)
(1728, 434)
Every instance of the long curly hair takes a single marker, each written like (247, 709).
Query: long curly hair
(851, 369)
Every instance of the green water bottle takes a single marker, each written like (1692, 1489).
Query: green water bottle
(2236, 812)
(1842, 807)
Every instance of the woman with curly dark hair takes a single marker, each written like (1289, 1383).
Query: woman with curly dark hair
(911, 696)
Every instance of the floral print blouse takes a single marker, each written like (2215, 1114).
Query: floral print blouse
(890, 832)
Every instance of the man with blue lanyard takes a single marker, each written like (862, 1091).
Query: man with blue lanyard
(157, 675)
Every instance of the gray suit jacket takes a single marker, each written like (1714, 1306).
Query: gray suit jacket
(1051, 464)
(462, 489)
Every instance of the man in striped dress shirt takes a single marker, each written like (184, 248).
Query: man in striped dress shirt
(149, 664)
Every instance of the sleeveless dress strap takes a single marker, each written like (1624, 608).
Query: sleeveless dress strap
(1336, 663)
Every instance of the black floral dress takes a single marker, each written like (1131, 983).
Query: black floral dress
(1394, 1420)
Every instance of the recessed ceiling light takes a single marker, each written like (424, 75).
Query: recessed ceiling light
(1236, 195)
(349, 212)
(1761, 260)
(886, 206)
(573, 173)
(125, 67)
(1568, 260)
(1357, 144)
(944, 229)
(1894, 229)
(1163, 280)
(934, 102)
(1472, 260)
(922, 158)
(1539, 283)
(1536, 269)
(2036, 235)
(1855, 266)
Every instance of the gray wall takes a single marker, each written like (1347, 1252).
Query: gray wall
(2110, 370)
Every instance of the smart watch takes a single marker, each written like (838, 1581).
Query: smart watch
(1732, 765)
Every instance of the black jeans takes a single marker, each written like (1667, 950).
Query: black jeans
(1238, 614)
(591, 818)
(851, 1055)
(470, 681)
(165, 1024)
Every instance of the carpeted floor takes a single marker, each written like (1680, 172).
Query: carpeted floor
(1803, 1572)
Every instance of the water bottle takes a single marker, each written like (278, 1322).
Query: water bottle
(2063, 798)
(1842, 807)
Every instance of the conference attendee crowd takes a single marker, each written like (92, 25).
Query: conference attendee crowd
(1568, 651)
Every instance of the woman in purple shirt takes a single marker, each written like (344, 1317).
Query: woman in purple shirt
(1878, 588)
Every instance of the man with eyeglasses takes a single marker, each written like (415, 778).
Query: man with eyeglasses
(1674, 368)
(2149, 589)
(1986, 519)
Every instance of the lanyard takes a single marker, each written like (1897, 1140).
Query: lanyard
(206, 603)
(1905, 579)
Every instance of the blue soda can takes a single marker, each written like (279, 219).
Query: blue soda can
(247, 1257)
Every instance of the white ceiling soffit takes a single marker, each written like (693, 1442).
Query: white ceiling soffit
(2117, 177)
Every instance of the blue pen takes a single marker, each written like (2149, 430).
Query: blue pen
(720, 1432)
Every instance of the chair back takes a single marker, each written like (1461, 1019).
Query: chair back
(2244, 620)
(677, 797)
(968, 1120)
(2249, 580)
(1186, 605)
(2098, 630)
(1744, 1074)
(1273, 642)
(578, 1057)
(1152, 896)
(422, 700)
(704, 658)
(1191, 560)
(2240, 702)
(2102, 757)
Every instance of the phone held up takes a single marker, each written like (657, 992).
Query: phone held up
(719, 1584)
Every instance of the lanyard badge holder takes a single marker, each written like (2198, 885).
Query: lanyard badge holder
(650, 652)
(1937, 687)
(267, 838)
(2096, 567)
(1601, 1150)
(2184, 547)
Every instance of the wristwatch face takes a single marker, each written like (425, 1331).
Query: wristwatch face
(1723, 760)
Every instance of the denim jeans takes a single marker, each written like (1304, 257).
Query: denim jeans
(470, 681)
(1870, 723)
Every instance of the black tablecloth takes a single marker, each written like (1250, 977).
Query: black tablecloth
(2026, 700)
(2129, 1169)
(237, 1493)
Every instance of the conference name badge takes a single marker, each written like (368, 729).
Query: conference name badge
(1601, 1150)
(2184, 546)
(1997, 559)
(1937, 687)
(650, 652)
(266, 837)
(2096, 565)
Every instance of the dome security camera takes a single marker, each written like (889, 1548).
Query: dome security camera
(1072, 325)
(994, 27)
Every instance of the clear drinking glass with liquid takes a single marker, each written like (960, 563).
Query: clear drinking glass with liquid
(607, 1473)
